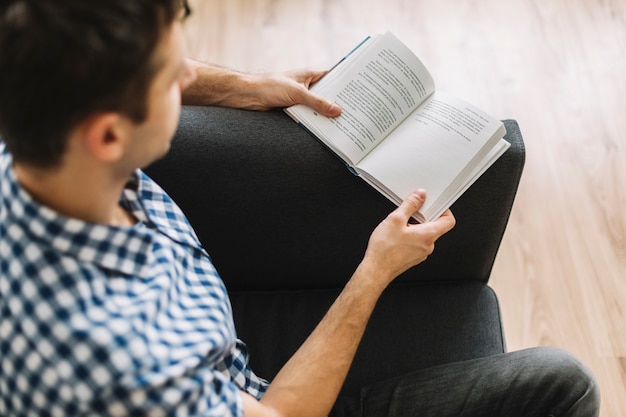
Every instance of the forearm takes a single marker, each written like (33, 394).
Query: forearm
(309, 383)
(218, 86)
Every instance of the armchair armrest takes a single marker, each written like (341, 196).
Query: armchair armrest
(267, 200)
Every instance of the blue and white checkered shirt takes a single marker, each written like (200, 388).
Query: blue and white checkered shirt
(102, 320)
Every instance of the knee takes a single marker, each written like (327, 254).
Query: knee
(566, 376)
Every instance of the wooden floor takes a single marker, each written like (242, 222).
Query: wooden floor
(559, 68)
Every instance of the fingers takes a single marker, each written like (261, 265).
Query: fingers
(446, 222)
(321, 105)
(396, 245)
(414, 202)
(314, 76)
(411, 204)
(307, 78)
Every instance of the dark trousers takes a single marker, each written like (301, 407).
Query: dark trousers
(527, 383)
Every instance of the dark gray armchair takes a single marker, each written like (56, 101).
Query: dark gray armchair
(286, 224)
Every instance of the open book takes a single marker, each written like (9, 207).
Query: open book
(398, 133)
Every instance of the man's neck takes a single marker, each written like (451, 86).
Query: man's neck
(86, 193)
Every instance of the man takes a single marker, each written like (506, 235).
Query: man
(109, 305)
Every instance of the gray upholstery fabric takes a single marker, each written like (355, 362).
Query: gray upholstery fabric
(414, 326)
(286, 223)
(275, 209)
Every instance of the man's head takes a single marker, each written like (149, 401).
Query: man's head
(62, 61)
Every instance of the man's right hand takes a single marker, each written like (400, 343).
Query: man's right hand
(397, 245)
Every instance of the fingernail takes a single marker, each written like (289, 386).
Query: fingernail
(334, 108)
(421, 194)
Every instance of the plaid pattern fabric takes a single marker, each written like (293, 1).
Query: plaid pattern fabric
(100, 320)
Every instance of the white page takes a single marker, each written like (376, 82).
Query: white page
(377, 88)
(493, 155)
(434, 146)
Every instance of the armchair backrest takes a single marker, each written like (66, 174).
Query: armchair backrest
(276, 210)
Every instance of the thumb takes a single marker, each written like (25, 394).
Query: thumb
(412, 203)
(321, 105)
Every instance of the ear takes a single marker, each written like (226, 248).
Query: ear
(104, 136)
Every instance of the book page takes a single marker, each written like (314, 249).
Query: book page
(377, 90)
(437, 148)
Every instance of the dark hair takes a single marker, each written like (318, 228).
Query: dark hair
(63, 60)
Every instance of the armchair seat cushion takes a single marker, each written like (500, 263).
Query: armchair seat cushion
(414, 326)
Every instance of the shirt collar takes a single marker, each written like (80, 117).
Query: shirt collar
(123, 249)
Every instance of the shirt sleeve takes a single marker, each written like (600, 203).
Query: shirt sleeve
(242, 375)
